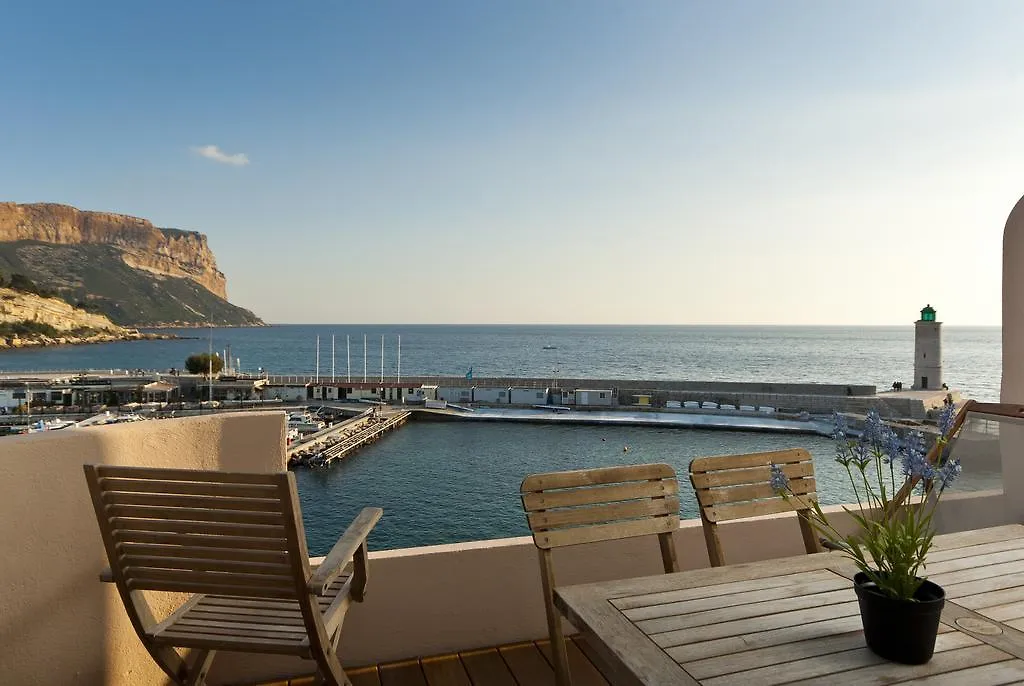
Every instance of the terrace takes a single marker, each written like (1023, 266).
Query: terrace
(437, 610)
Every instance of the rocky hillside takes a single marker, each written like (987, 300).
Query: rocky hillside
(122, 266)
(27, 319)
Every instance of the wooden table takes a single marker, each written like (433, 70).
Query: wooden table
(796, 620)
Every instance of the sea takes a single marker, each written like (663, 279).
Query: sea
(454, 482)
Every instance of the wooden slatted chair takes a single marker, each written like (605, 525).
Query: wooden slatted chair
(589, 505)
(737, 486)
(235, 541)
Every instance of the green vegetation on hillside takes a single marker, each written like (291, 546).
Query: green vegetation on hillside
(95, 278)
(27, 329)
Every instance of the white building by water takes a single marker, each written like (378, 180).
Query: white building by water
(927, 351)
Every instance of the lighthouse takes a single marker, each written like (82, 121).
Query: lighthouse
(927, 351)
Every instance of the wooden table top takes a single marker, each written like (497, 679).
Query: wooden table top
(796, 620)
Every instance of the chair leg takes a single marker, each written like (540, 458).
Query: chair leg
(199, 667)
(332, 673)
(558, 651)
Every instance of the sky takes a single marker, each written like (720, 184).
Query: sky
(576, 162)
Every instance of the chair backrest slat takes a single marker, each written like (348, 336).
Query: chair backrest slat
(584, 506)
(200, 531)
(738, 486)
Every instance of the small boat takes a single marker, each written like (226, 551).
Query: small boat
(305, 422)
(550, 347)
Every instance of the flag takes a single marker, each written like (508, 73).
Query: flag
(469, 374)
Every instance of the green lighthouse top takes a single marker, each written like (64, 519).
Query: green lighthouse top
(928, 314)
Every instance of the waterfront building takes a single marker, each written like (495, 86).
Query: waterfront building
(927, 351)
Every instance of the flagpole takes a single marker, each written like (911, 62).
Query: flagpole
(364, 358)
(332, 358)
(317, 359)
(382, 358)
(348, 356)
(399, 358)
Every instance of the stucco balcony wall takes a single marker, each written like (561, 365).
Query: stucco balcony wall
(58, 623)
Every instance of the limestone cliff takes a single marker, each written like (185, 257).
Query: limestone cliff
(28, 320)
(121, 266)
(167, 252)
(17, 307)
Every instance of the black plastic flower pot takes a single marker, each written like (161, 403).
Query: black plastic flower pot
(900, 630)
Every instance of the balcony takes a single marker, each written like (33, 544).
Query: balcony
(59, 624)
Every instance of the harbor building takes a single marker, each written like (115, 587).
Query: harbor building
(927, 351)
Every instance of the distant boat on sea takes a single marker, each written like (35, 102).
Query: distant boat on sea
(550, 347)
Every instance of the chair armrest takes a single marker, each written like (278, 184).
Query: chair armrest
(107, 576)
(343, 551)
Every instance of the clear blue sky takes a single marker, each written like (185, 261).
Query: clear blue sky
(540, 162)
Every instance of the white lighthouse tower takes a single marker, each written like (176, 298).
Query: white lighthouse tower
(927, 351)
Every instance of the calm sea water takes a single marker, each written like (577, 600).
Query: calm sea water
(874, 355)
(443, 483)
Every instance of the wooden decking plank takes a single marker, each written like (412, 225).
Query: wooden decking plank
(994, 674)
(487, 668)
(891, 672)
(829, 665)
(446, 670)
(364, 676)
(528, 665)
(408, 673)
(581, 669)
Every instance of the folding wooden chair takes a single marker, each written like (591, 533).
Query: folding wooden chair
(589, 505)
(235, 541)
(738, 486)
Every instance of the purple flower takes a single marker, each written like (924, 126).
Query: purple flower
(842, 429)
(860, 455)
(946, 418)
(891, 446)
(948, 473)
(914, 461)
(874, 429)
(778, 480)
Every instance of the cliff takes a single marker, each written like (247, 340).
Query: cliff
(32, 320)
(163, 251)
(121, 266)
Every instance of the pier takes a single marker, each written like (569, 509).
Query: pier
(336, 443)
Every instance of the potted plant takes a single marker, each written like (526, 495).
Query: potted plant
(897, 488)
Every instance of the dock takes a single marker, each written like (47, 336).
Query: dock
(343, 440)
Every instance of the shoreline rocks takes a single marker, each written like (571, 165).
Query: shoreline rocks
(39, 341)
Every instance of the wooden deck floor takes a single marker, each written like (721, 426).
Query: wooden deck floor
(521, 664)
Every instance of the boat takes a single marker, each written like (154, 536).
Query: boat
(305, 423)
(550, 347)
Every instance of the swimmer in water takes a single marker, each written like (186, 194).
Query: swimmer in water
(625, 449)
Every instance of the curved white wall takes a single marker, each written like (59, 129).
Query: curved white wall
(1013, 306)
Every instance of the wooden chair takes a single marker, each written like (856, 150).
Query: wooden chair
(235, 541)
(589, 505)
(737, 486)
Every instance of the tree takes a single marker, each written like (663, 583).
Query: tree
(202, 363)
(20, 282)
